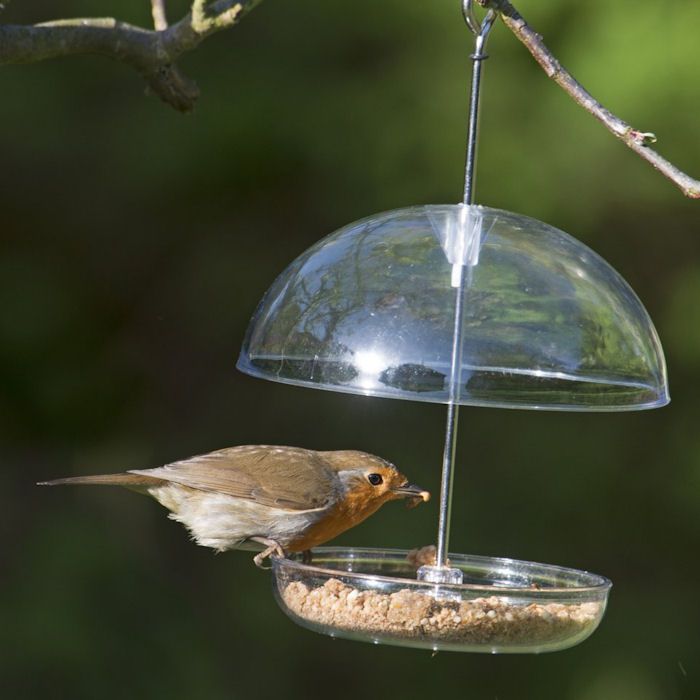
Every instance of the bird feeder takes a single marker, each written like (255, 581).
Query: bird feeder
(464, 305)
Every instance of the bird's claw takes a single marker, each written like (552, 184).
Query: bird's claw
(259, 558)
(272, 548)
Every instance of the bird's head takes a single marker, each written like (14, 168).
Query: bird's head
(370, 481)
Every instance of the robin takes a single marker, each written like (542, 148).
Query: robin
(287, 499)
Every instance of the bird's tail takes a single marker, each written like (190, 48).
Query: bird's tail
(133, 481)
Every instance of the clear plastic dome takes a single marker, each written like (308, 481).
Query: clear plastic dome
(547, 322)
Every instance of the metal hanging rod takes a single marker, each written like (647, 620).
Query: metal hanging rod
(481, 31)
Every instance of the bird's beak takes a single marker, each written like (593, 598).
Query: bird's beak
(416, 494)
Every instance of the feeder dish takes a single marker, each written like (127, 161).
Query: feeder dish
(503, 606)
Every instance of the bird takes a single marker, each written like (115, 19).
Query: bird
(274, 498)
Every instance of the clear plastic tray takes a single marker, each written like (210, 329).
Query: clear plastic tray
(503, 605)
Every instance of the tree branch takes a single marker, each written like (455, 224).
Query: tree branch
(638, 141)
(151, 53)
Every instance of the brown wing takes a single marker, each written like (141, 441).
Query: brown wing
(285, 477)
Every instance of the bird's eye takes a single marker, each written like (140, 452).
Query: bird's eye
(375, 479)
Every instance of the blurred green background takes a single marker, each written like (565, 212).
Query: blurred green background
(137, 242)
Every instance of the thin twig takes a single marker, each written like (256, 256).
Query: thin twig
(150, 52)
(638, 141)
(199, 16)
(160, 18)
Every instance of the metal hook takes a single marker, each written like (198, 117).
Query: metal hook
(478, 29)
(470, 17)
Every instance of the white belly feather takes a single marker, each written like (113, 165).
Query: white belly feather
(224, 522)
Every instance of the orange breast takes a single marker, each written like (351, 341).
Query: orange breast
(353, 509)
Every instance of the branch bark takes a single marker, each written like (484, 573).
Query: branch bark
(638, 141)
(152, 53)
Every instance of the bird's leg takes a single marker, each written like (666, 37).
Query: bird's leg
(272, 548)
(306, 556)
